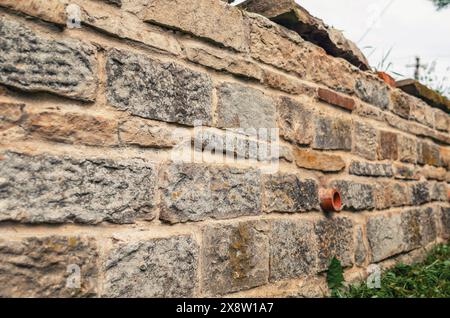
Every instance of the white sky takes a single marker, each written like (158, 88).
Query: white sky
(409, 27)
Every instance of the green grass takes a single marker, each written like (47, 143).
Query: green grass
(430, 279)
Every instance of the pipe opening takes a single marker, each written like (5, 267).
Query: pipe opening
(330, 200)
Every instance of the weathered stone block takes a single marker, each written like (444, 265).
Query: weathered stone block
(48, 189)
(370, 169)
(420, 193)
(45, 267)
(373, 92)
(441, 120)
(360, 248)
(335, 239)
(48, 10)
(244, 107)
(221, 61)
(316, 160)
(289, 193)
(201, 18)
(428, 226)
(289, 14)
(332, 134)
(235, 257)
(439, 192)
(293, 249)
(40, 64)
(429, 154)
(10, 114)
(401, 103)
(445, 220)
(392, 194)
(365, 141)
(295, 122)
(385, 236)
(73, 128)
(275, 45)
(407, 149)
(194, 192)
(336, 99)
(433, 173)
(157, 90)
(388, 146)
(355, 196)
(145, 133)
(406, 172)
(157, 267)
(410, 223)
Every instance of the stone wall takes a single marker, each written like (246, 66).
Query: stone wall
(107, 187)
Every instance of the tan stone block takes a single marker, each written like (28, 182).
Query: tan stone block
(145, 133)
(202, 18)
(316, 160)
(73, 128)
(47, 10)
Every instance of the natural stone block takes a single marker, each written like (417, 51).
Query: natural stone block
(287, 83)
(289, 193)
(235, 256)
(156, 267)
(49, 189)
(388, 146)
(422, 113)
(46, 267)
(410, 223)
(428, 226)
(407, 149)
(291, 15)
(360, 248)
(146, 133)
(122, 25)
(316, 160)
(332, 134)
(401, 103)
(385, 236)
(373, 92)
(439, 192)
(221, 61)
(419, 227)
(240, 143)
(48, 10)
(365, 141)
(73, 128)
(275, 45)
(244, 107)
(10, 114)
(157, 90)
(392, 194)
(371, 169)
(429, 154)
(201, 18)
(420, 193)
(335, 239)
(293, 249)
(333, 98)
(194, 192)
(406, 172)
(441, 120)
(445, 220)
(355, 196)
(433, 173)
(295, 122)
(33, 67)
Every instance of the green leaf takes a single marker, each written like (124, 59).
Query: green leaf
(335, 277)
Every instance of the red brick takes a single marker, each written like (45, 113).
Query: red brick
(333, 98)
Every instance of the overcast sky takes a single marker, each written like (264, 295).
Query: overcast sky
(410, 27)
